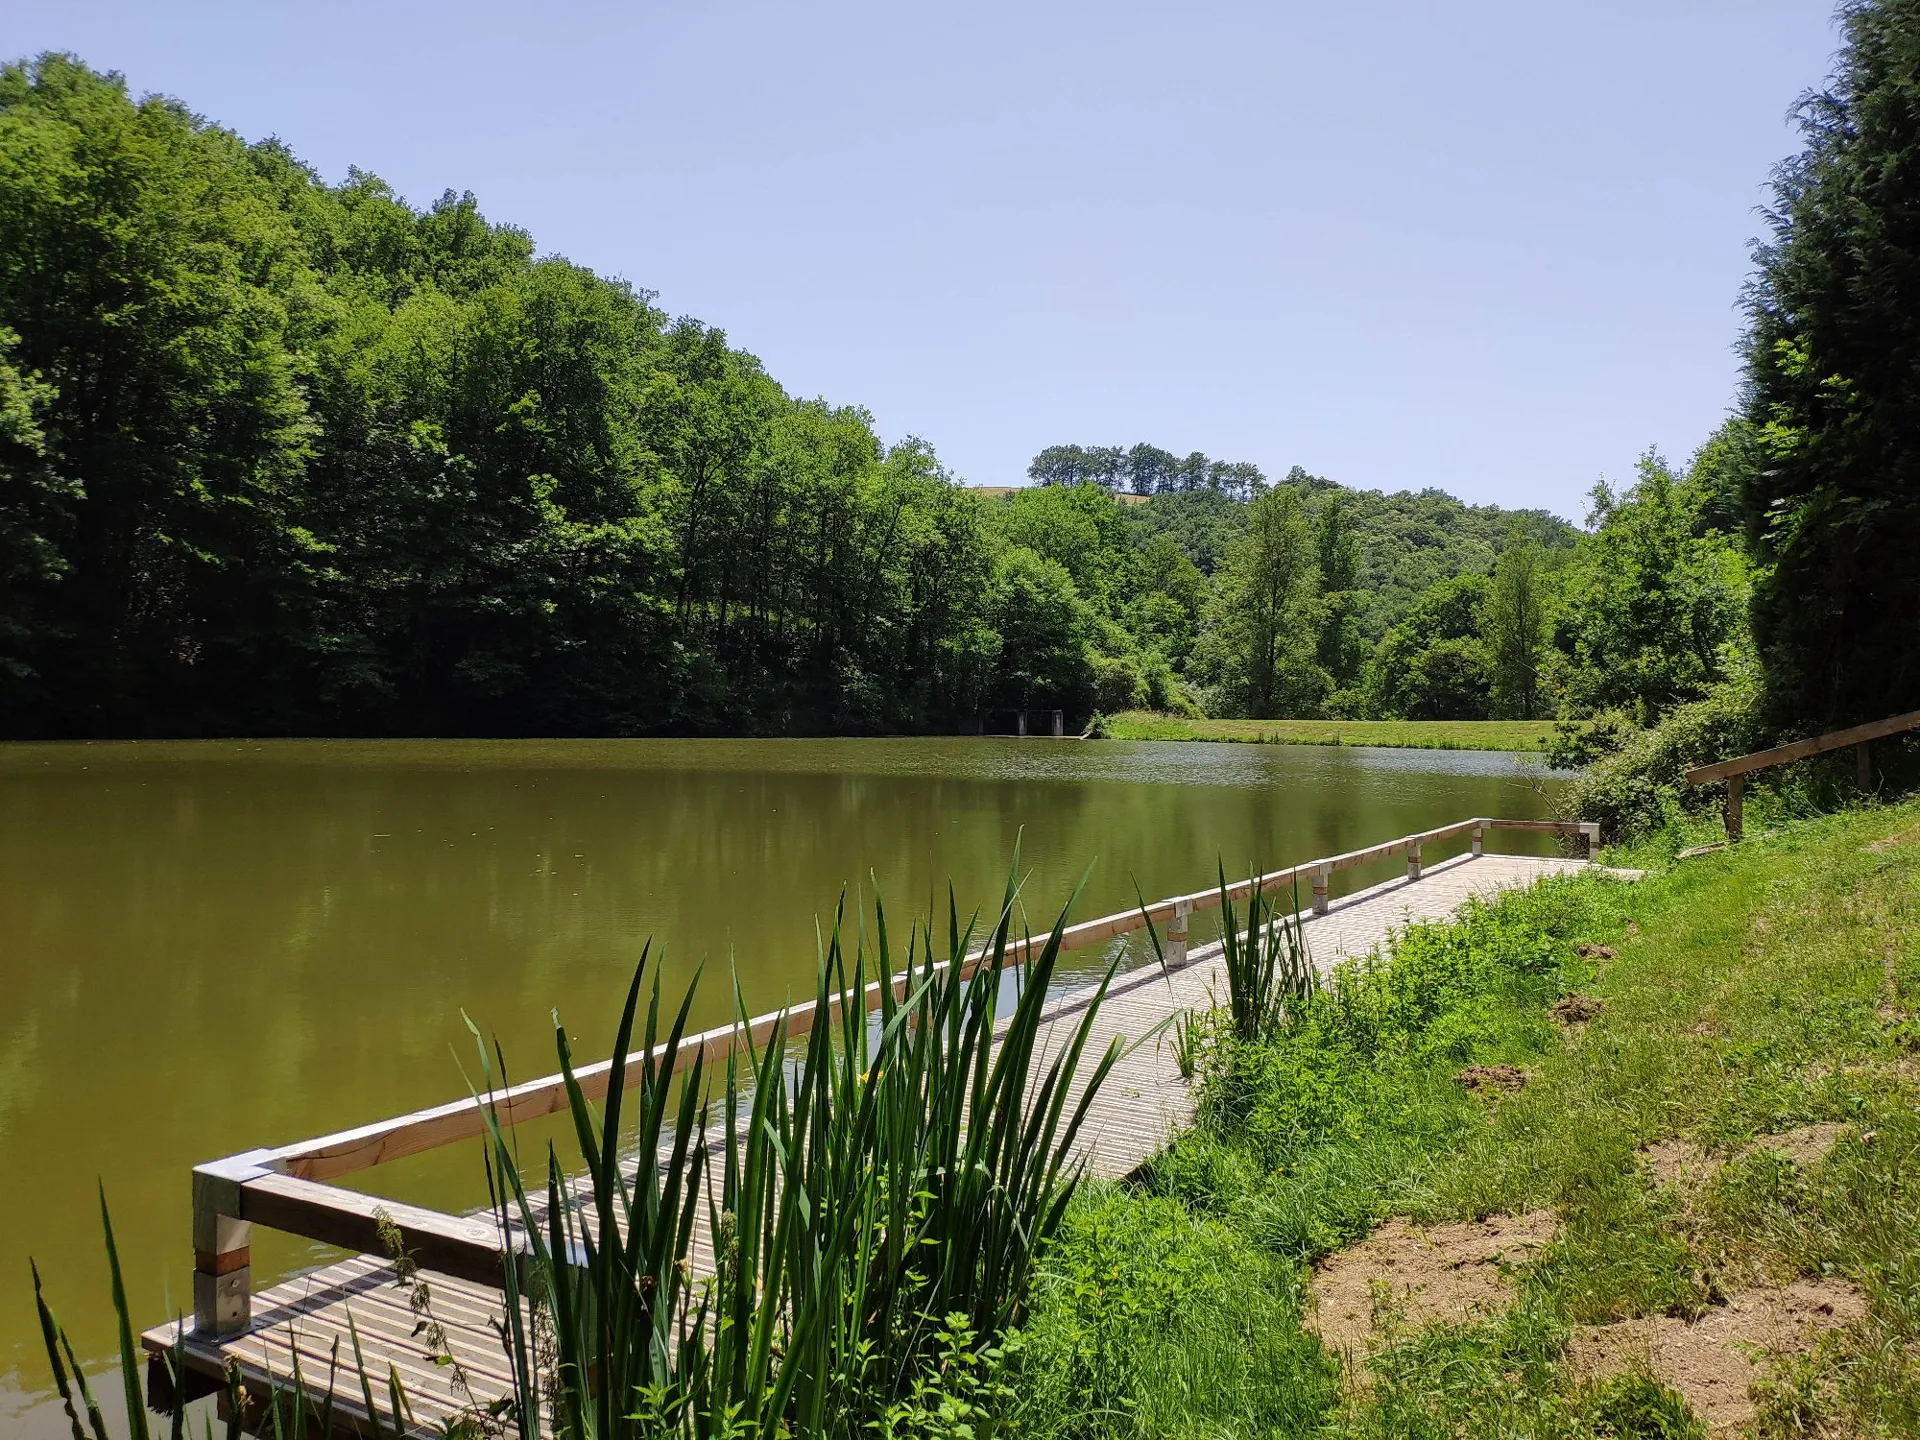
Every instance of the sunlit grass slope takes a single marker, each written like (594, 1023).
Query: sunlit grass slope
(1742, 996)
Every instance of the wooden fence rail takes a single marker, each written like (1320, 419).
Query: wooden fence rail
(1735, 770)
(283, 1188)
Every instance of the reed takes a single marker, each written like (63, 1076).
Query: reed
(1270, 975)
(896, 1178)
(874, 1196)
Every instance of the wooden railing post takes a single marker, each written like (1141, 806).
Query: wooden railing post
(222, 1254)
(1479, 840)
(1413, 861)
(1590, 832)
(1732, 807)
(1177, 932)
(1320, 873)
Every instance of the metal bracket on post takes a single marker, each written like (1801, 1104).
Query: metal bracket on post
(1177, 932)
(1320, 873)
(222, 1255)
(1479, 841)
(1413, 862)
(1591, 830)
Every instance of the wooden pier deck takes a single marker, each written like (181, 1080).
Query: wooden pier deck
(298, 1323)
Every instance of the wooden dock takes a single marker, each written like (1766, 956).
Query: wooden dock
(298, 1323)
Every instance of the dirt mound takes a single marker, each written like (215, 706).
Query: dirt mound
(1419, 1274)
(1801, 1145)
(1491, 1079)
(1681, 1164)
(1571, 1010)
(1804, 1145)
(1687, 1168)
(1590, 951)
(1713, 1361)
(1891, 842)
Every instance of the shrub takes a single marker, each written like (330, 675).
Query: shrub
(1641, 785)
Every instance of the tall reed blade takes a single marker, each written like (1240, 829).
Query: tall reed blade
(1270, 974)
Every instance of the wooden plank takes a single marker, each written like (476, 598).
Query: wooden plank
(466, 1246)
(348, 1151)
(1801, 749)
(1144, 1104)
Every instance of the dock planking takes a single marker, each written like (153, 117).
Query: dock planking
(308, 1326)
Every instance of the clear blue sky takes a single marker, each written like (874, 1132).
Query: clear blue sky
(1492, 247)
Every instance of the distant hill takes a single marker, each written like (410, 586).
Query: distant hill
(1407, 539)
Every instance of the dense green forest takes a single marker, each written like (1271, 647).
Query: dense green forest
(280, 456)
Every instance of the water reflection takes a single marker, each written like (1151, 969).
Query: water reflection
(205, 947)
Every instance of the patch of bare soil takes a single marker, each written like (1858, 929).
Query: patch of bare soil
(1572, 1010)
(1419, 1274)
(1681, 1164)
(1713, 1361)
(1491, 1079)
(1891, 842)
(1804, 1145)
(1590, 951)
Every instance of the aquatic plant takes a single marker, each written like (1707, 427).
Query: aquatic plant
(1269, 972)
(887, 1188)
(872, 1197)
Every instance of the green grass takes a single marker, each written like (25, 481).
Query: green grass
(1394, 734)
(1753, 990)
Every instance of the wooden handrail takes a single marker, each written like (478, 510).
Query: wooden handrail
(1801, 749)
(328, 1157)
(282, 1188)
(1733, 771)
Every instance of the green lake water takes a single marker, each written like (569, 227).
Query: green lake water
(211, 946)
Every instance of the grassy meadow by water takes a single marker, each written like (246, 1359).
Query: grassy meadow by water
(1694, 1120)
(1510, 735)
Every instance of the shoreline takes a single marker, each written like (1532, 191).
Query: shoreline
(1522, 736)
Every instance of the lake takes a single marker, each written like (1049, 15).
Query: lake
(210, 946)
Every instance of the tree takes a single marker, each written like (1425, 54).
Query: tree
(1339, 649)
(1432, 664)
(1077, 527)
(1059, 465)
(1262, 659)
(1041, 622)
(1514, 630)
(1832, 501)
(1151, 470)
(36, 514)
(1654, 600)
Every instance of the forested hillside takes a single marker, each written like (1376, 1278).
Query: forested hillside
(283, 456)
(280, 456)
(277, 455)
(1406, 541)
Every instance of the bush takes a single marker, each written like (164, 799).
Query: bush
(1641, 785)
(1118, 683)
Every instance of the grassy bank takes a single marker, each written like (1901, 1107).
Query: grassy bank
(1688, 1159)
(1397, 734)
